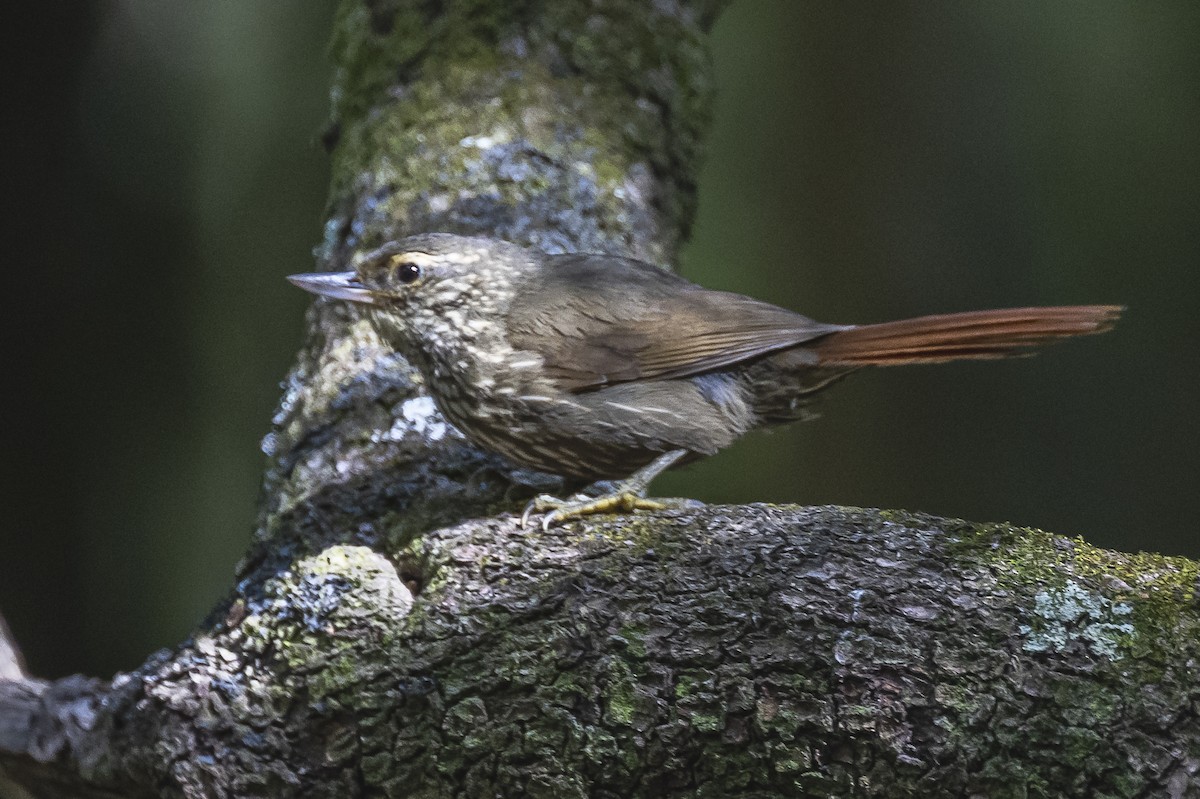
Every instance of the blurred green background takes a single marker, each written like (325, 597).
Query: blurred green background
(867, 162)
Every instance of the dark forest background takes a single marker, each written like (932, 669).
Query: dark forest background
(867, 162)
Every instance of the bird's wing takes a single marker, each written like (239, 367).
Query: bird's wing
(599, 320)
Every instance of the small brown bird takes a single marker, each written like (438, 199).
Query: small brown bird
(599, 367)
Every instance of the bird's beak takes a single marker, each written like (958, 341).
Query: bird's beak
(338, 285)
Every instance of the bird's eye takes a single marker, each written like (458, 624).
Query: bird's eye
(407, 273)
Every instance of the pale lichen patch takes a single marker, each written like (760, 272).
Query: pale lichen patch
(1060, 616)
(345, 587)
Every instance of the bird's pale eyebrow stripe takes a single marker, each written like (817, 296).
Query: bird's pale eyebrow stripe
(414, 258)
(424, 258)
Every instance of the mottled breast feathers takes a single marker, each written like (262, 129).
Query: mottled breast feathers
(596, 321)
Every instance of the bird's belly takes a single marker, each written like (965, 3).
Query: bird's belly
(536, 434)
(605, 434)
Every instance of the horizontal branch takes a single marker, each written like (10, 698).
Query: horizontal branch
(791, 651)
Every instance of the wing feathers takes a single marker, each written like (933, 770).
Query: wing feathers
(599, 320)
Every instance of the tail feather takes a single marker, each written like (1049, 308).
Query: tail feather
(971, 335)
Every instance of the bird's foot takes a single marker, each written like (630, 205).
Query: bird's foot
(579, 506)
(624, 497)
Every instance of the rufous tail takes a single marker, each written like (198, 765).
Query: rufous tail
(951, 337)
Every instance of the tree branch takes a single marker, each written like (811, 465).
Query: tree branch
(11, 665)
(392, 633)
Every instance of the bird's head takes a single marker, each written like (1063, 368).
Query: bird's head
(432, 279)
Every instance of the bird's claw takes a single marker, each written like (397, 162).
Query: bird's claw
(561, 510)
(536, 505)
(623, 497)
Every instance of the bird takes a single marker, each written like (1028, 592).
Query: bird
(604, 368)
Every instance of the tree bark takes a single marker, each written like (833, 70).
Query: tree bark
(393, 633)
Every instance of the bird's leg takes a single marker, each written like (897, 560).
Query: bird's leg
(625, 497)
